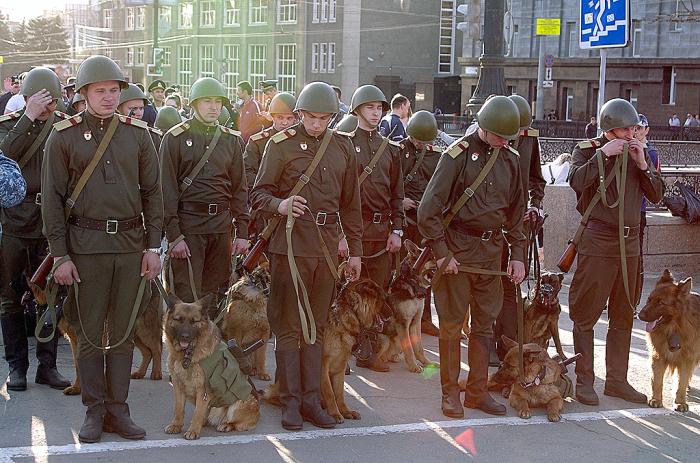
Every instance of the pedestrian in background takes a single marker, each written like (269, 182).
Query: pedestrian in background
(592, 128)
(393, 125)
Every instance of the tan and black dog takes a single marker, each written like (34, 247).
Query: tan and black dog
(193, 338)
(148, 337)
(672, 313)
(542, 311)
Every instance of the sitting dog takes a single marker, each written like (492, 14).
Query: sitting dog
(204, 373)
(245, 317)
(672, 313)
(541, 375)
(148, 337)
(542, 311)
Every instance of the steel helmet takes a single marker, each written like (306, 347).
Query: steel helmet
(208, 87)
(500, 116)
(98, 68)
(368, 94)
(523, 109)
(41, 78)
(618, 113)
(132, 92)
(224, 116)
(282, 103)
(167, 118)
(348, 123)
(76, 98)
(422, 126)
(317, 97)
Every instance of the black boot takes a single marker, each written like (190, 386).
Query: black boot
(92, 391)
(583, 344)
(449, 376)
(289, 375)
(118, 420)
(617, 349)
(311, 410)
(426, 321)
(475, 394)
(46, 372)
(14, 336)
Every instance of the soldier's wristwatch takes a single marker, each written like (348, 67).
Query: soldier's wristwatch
(398, 232)
(153, 250)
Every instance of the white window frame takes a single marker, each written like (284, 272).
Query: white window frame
(569, 110)
(257, 12)
(636, 39)
(140, 22)
(232, 13)
(330, 61)
(315, 50)
(166, 56)
(184, 18)
(206, 60)
(207, 17)
(129, 56)
(165, 15)
(184, 68)
(129, 18)
(573, 40)
(232, 68)
(139, 56)
(331, 11)
(257, 57)
(286, 67)
(107, 18)
(324, 11)
(287, 11)
(323, 58)
(314, 11)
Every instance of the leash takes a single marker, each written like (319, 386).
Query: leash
(190, 272)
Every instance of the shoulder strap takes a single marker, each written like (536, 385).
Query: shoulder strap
(469, 192)
(187, 181)
(416, 166)
(37, 142)
(375, 159)
(82, 181)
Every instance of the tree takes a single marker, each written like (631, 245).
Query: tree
(20, 37)
(48, 37)
(6, 44)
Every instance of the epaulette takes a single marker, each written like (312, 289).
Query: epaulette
(10, 116)
(61, 115)
(179, 129)
(260, 135)
(530, 133)
(283, 135)
(131, 121)
(585, 144)
(513, 150)
(396, 143)
(70, 122)
(156, 131)
(433, 148)
(229, 131)
(457, 148)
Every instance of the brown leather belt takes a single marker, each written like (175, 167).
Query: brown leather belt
(111, 227)
(204, 208)
(321, 218)
(485, 235)
(376, 217)
(610, 229)
(34, 199)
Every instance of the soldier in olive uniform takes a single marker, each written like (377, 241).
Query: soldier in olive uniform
(132, 102)
(419, 158)
(200, 206)
(598, 278)
(528, 146)
(110, 242)
(167, 118)
(157, 91)
(23, 135)
(474, 238)
(330, 195)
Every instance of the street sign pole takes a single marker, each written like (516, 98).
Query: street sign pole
(539, 105)
(601, 82)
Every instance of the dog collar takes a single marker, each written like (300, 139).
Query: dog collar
(537, 380)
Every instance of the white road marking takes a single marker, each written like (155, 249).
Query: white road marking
(8, 453)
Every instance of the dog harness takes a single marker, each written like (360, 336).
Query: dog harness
(224, 377)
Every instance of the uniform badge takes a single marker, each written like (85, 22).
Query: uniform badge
(475, 156)
(188, 142)
(357, 148)
(303, 145)
(88, 135)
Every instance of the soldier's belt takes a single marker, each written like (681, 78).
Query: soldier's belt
(610, 229)
(204, 208)
(110, 227)
(485, 235)
(34, 199)
(376, 217)
(321, 218)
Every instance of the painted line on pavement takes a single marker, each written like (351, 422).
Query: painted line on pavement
(8, 453)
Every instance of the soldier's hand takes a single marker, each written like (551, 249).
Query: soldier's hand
(37, 103)
(393, 243)
(452, 266)
(180, 250)
(409, 204)
(66, 273)
(637, 154)
(150, 265)
(614, 147)
(516, 271)
(343, 249)
(298, 206)
(352, 270)
(240, 246)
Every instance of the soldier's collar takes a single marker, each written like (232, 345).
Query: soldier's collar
(475, 140)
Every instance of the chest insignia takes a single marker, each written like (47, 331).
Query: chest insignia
(303, 145)
(188, 142)
(357, 148)
(475, 156)
(88, 135)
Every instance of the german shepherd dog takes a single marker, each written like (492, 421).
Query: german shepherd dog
(245, 317)
(672, 313)
(542, 311)
(541, 374)
(191, 336)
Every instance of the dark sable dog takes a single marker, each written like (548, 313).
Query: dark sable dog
(542, 311)
(672, 313)
(148, 337)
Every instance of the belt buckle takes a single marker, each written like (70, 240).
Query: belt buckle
(112, 227)
(213, 209)
(37, 199)
(486, 236)
(368, 170)
(627, 232)
(377, 217)
(321, 218)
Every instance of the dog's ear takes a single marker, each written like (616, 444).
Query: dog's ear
(207, 302)
(265, 265)
(411, 247)
(560, 276)
(509, 343)
(666, 277)
(171, 301)
(685, 286)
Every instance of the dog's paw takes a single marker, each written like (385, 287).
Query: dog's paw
(655, 403)
(264, 377)
(156, 375)
(137, 375)
(72, 390)
(505, 392)
(554, 418)
(173, 428)
(191, 435)
(225, 427)
(525, 414)
(682, 407)
(338, 418)
(415, 368)
(396, 358)
(351, 415)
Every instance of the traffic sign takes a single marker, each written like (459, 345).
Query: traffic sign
(604, 24)
(548, 74)
(548, 26)
(547, 84)
(549, 60)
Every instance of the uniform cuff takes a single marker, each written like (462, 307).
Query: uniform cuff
(58, 248)
(154, 238)
(517, 253)
(439, 248)
(355, 248)
(172, 233)
(274, 205)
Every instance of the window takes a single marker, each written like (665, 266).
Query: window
(287, 11)
(186, 10)
(207, 14)
(331, 11)
(232, 69)
(130, 56)
(331, 57)
(206, 60)
(636, 38)
(165, 15)
(631, 96)
(140, 17)
(324, 11)
(314, 57)
(166, 56)
(130, 19)
(315, 8)
(510, 90)
(571, 39)
(668, 88)
(184, 73)
(232, 13)
(569, 92)
(256, 66)
(286, 67)
(138, 59)
(107, 19)
(257, 14)
(323, 55)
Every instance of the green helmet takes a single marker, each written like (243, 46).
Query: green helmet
(41, 78)
(367, 94)
(224, 116)
(618, 113)
(317, 97)
(500, 116)
(523, 109)
(132, 92)
(208, 87)
(348, 123)
(422, 126)
(98, 68)
(167, 118)
(282, 103)
(76, 98)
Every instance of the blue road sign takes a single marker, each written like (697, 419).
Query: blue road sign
(604, 23)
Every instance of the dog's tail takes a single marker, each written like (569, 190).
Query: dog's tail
(272, 395)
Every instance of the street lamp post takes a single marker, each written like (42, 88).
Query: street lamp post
(491, 78)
